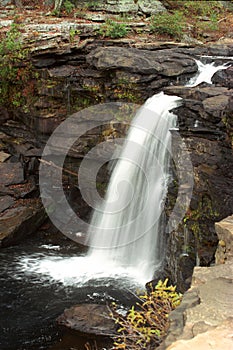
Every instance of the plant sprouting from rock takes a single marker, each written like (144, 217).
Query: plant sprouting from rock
(112, 29)
(146, 324)
(16, 74)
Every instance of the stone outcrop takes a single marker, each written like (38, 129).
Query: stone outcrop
(224, 252)
(204, 318)
(166, 63)
(89, 318)
(18, 222)
(224, 78)
(21, 213)
(219, 338)
(205, 121)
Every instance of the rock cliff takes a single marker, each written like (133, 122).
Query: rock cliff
(204, 318)
(75, 69)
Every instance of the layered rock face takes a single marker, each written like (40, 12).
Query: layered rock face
(205, 122)
(21, 212)
(204, 318)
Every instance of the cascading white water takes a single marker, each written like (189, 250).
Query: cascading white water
(205, 73)
(127, 239)
(127, 227)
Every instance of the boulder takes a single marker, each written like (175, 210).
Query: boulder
(121, 6)
(126, 6)
(224, 77)
(89, 318)
(167, 63)
(215, 106)
(19, 221)
(150, 7)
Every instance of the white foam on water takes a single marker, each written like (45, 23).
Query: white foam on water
(205, 73)
(77, 271)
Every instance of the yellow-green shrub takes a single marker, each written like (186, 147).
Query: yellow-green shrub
(148, 324)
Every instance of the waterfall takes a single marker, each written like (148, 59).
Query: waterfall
(205, 73)
(127, 230)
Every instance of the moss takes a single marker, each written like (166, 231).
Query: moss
(127, 91)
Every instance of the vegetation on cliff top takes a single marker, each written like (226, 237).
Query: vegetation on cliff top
(201, 20)
(198, 19)
(16, 73)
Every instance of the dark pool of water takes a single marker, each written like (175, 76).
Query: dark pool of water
(29, 304)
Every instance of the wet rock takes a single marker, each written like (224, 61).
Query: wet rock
(221, 48)
(203, 110)
(20, 221)
(204, 120)
(18, 131)
(88, 318)
(197, 93)
(224, 77)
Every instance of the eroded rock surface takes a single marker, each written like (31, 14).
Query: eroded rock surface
(205, 123)
(217, 339)
(204, 318)
(167, 62)
(21, 213)
(224, 229)
(18, 222)
(89, 318)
